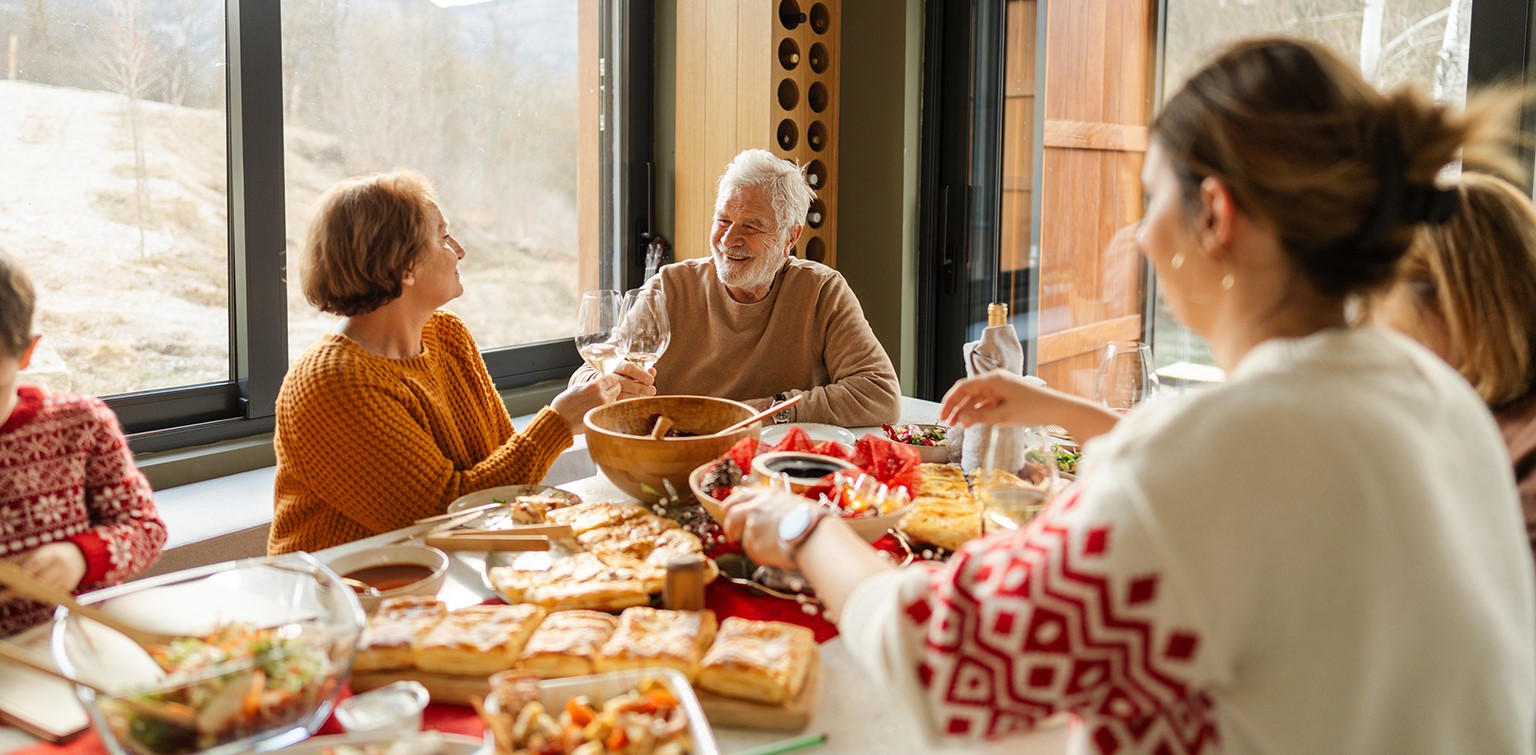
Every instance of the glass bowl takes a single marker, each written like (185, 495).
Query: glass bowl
(265, 646)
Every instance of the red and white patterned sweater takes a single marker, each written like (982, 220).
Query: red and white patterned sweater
(66, 475)
(1292, 562)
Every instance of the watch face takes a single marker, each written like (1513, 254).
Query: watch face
(793, 524)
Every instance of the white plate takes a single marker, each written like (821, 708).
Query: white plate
(448, 744)
(509, 493)
(772, 434)
(600, 687)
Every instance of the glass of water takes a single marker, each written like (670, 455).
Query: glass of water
(1017, 477)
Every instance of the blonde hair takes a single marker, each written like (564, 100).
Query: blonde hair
(364, 238)
(1474, 278)
(1303, 142)
(18, 300)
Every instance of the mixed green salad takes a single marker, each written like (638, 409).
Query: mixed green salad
(271, 681)
(917, 435)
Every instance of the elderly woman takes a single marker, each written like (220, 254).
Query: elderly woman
(1321, 555)
(1467, 290)
(393, 416)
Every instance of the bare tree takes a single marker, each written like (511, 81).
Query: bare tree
(127, 65)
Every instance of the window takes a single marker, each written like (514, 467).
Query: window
(481, 97)
(112, 139)
(1394, 42)
(172, 170)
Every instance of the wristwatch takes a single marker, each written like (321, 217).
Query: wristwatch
(782, 415)
(796, 527)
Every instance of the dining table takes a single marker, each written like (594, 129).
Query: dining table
(850, 710)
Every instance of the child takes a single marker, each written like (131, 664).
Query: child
(74, 511)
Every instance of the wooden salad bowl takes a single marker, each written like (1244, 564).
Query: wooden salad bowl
(618, 439)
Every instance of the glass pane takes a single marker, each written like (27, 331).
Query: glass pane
(112, 141)
(1423, 42)
(482, 97)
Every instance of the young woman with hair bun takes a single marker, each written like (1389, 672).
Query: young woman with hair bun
(1322, 554)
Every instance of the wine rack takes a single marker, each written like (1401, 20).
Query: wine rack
(759, 74)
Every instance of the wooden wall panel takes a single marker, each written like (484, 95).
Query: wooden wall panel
(1097, 103)
(589, 200)
(1018, 145)
(728, 75)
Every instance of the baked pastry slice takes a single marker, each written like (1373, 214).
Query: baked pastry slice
(946, 522)
(763, 661)
(478, 640)
(639, 530)
(386, 642)
(589, 516)
(567, 643)
(581, 581)
(656, 637)
(941, 481)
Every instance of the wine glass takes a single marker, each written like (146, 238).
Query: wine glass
(597, 329)
(1126, 377)
(646, 330)
(1017, 477)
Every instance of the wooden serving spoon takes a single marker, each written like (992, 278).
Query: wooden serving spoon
(663, 424)
(28, 586)
(769, 412)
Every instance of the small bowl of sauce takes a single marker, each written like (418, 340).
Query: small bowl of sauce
(802, 471)
(393, 571)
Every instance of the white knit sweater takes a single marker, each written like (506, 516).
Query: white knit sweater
(1323, 555)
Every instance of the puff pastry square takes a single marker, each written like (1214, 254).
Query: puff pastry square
(593, 514)
(641, 529)
(655, 637)
(478, 640)
(763, 661)
(946, 522)
(386, 642)
(581, 581)
(567, 643)
(941, 481)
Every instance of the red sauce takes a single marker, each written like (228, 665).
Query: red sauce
(391, 576)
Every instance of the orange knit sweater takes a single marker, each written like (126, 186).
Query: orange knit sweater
(367, 444)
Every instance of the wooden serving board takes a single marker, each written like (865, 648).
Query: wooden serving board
(794, 715)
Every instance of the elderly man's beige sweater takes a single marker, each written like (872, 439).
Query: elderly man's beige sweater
(809, 336)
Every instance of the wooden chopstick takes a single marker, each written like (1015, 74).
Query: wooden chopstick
(460, 512)
(551, 531)
(488, 543)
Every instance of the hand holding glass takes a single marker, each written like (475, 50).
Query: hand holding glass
(645, 331)
(1126, 377)
(597, 325)
(1017, 477)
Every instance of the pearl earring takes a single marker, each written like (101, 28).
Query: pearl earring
(1178, 261)
(1227, 281)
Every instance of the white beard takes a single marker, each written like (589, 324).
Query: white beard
(756, 274)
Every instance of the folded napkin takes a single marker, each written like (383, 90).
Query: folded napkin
(999, 348)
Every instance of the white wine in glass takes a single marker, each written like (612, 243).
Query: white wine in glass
(1017, 478)
(646, 330)
(597, 329)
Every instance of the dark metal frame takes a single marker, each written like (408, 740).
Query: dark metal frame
(1501, 49)
(244, 406)
(959, 198)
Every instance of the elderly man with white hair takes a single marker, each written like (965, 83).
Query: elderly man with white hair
(754, 324)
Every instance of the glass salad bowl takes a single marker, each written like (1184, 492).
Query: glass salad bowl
(264, 646)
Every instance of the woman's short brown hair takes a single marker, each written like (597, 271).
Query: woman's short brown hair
(1475, 278)
(1304, 143)
(17, 301)
(365, 237)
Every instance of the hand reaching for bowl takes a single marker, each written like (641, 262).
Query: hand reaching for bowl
(634, 381)
(60, 565)
(574, 402)
(752, 518)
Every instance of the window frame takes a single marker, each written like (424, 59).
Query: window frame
(191, 415)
